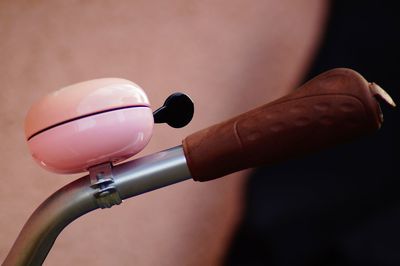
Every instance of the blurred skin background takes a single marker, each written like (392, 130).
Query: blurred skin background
(229, 56)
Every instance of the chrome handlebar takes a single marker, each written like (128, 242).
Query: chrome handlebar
(100, 189)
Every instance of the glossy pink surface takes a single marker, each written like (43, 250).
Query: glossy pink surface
(83, 99)
(111, 136)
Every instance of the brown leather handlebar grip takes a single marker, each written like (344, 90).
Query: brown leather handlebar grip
(334, 107)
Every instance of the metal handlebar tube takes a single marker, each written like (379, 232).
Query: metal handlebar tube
(86, 194)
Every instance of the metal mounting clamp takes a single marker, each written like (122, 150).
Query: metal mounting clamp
(101, 179)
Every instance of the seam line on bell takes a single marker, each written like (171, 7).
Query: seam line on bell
(83, 116)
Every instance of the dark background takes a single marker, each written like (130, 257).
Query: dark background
(342, 206)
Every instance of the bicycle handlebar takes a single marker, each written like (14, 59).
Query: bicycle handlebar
(334, 107)
(78, 198)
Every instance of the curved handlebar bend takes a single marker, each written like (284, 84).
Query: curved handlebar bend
(78, 198)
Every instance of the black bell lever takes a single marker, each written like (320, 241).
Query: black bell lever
(177, 111)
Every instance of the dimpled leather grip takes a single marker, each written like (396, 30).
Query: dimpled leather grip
(334, 107)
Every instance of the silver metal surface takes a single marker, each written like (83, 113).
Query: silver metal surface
(79, 197)
(101, 178)
(151, 172)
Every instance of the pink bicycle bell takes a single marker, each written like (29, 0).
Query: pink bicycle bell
(88, 123)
